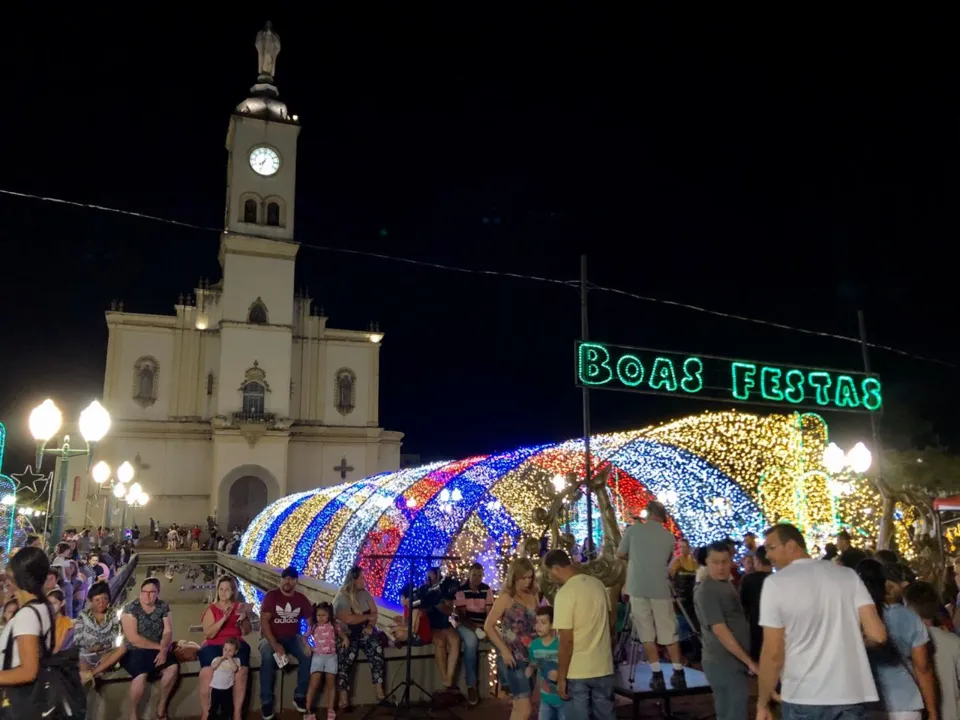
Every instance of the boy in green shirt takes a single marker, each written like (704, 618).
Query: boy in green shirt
(543, 657)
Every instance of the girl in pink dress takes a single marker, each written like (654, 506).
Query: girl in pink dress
(323, 665)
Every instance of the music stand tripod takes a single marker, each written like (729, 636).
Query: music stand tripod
(404, 706)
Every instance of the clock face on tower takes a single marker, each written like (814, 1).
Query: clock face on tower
(264, 161)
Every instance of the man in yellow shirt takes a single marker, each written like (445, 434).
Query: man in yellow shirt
(582, 618)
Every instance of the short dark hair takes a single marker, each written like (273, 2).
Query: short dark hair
(31, 539)
(98, 588)
(852, 557)
(720, 546)
(762, 556)
(923, 600)
(657, 510)
(476, 566)
(786, 532)
(232, 641)
(556, 558)
(150, 581)
(545, 611)
(62, 547)
(843, 534)
(749, 534)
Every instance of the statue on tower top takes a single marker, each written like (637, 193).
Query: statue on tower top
(268, 47)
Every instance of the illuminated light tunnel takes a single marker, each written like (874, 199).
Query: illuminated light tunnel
(720, 475)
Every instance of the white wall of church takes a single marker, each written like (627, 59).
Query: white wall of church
(131, 344)
(249, 277)
(240, 346)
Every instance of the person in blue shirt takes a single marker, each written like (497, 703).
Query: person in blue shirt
(543, 659)
(902, 668)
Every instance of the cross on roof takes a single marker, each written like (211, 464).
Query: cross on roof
(343, 468)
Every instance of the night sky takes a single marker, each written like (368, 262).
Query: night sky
(790, 171)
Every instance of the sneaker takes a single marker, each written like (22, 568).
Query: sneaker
(300, 704)
(657, 683)
(678, 681)
(473, 697)
(266, 712)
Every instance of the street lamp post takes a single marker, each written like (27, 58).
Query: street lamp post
(837, 462)
(45, 422)
(117, 486)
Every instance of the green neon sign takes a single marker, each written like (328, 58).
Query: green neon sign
(615, 367)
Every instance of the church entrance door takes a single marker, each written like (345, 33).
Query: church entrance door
(248, 496)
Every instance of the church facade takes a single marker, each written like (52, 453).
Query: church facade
(245, 394)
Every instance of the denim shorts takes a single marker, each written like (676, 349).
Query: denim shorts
(324, 664)
(516, 680)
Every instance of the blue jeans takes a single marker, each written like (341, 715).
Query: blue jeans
(551, 712)
(792, 711)
(268, 668)
(471, 653)
(590, 698)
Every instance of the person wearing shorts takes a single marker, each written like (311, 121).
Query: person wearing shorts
(648, 548)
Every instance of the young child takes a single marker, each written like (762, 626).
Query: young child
(543, 658)
(323, 666)
(922, 598)
(225, 670)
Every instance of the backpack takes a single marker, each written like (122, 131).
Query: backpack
(56, 694)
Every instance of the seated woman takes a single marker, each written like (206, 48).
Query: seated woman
(355, 609)
(148, 632)
(95, 634)
(445, 638)
(74, 588)
(62, 625)
(224, 619)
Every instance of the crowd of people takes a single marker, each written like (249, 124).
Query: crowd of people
(836, 637)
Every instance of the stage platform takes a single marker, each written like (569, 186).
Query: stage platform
(640, 690)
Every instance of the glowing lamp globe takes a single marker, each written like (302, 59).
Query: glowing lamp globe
(559, 483)
(834, 459)
(134, 492)
(125, 472)
(119, 491)
(142, 499)
(101, 473)
(45, 420)
(859, 458)
(94, 422)
(8, 500)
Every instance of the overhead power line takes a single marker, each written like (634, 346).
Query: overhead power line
(495, 273)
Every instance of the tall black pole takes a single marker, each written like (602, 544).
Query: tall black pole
(584, 336)
(886, 514)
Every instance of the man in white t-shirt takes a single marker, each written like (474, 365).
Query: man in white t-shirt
(815, 617)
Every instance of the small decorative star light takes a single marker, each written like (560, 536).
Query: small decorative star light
(28, 480)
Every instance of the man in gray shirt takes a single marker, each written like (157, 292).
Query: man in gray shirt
(648, 548)
(726, 635)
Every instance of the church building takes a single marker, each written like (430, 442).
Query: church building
(245, 394)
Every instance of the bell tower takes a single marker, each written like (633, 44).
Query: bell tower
(257, 248)
(262, 147)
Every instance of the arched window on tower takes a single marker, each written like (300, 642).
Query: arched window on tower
(253, 400)
(258, 313)
(250, 211)
(273, 214)
(345, 391)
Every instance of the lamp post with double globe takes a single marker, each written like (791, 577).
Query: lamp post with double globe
(45, 421)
